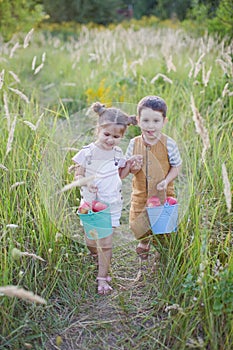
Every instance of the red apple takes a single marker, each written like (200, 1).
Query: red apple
(153, 202)
(84, 208)
(93, 203)
(171, 200)
(98, 206)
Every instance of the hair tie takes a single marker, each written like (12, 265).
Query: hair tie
(132, 119)
(101, 110)
(98, 108)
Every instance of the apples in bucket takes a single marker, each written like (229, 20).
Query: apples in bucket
(84, 208)
(98, 206)
(154, 201)
(163, 218)
(95, 207)
(171, 200)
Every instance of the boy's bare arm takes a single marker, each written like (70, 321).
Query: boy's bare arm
(173, 173)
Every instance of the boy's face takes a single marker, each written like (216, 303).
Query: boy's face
(151, 123)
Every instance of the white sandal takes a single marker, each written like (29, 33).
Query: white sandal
(104, 288)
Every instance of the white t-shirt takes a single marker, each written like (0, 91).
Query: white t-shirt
(103, 164)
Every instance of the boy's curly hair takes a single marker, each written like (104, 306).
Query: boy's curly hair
(156, 103)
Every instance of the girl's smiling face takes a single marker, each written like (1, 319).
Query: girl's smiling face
(109, 136)
(151, 123)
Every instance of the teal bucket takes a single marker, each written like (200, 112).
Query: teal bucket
(97, 224)
(163, 219)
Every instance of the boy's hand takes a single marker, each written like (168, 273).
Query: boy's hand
(161, 186)
(135, 162)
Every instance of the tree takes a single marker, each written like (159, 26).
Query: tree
(142, 7)
(225, 13)
(83, 11)
(214, 15)
(160, 8)
(223, 22)
(168, 8)
(203, 8)
(19, 15)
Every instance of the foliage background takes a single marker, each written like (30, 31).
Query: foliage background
(19, 15)
(49, 76)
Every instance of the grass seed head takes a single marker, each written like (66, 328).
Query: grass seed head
(227, 188)
(21, 293)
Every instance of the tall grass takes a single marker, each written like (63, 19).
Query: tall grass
(46, 86)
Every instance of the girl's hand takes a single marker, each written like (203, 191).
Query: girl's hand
(92, 188)
(161, 186)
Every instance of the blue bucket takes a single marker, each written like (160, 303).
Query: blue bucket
(97, 224)
(164, 218)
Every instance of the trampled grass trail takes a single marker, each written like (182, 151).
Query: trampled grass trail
(143, 310)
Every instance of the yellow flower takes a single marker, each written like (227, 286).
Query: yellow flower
(102, 93)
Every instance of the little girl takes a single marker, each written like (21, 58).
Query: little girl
(104, 159)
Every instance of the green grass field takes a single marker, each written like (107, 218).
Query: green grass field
(46, 87)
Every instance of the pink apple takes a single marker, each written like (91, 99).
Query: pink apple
(171, 200)
(84, 208)
(98, 206)
(153, 202)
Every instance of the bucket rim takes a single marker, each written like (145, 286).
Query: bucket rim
(165, 205)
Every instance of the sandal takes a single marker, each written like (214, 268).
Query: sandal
(103, 286)
(143, 252)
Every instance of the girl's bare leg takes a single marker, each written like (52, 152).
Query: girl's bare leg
(103, 247)
(92, 247)
(93, 250)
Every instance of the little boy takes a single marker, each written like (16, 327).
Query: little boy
(161, 165)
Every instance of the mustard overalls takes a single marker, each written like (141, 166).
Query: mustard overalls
(155, 168)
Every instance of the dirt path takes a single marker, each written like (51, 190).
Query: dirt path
(120, 320)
